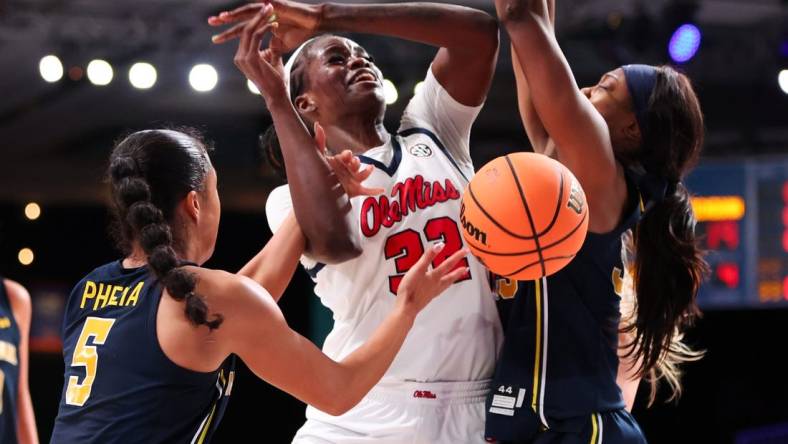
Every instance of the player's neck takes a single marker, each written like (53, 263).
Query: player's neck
(356, 134)
(137, 257)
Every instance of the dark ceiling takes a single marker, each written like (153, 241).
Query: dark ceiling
(56, 137)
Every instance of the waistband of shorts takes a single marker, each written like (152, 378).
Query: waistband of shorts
(462, 392)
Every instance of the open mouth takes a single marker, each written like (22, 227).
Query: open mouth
(364, 76)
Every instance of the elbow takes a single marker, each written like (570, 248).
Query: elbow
(481, 35)
(338, 407)
(339, 403)
(342, 250)
(335, 249)
(512, 12)
(491, 39)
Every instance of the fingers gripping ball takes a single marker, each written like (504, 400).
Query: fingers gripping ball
(524, 216)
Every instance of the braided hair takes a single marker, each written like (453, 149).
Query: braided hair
(151, 172)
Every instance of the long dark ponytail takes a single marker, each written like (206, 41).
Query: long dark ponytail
(150, 172)
(669, 265)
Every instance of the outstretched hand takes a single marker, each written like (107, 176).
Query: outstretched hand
(347, 168)
(263, 67)
(420, 285)
(297, 22)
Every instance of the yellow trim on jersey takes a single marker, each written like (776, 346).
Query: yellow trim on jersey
(642, 205)
(207, 424)
(538, 353)
(208, 420)
(594, 429)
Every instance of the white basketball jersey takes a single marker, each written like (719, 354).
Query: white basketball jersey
(424, 169)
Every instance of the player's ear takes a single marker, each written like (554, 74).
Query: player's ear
(305, 104)
(191, 205)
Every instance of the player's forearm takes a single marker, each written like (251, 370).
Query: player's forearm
(363, 368)
(26, 419)
(321, 205)
(443, 25)
(531, 121)
(274, 265)
(26, 422)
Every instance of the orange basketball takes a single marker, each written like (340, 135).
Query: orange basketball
(524, 216)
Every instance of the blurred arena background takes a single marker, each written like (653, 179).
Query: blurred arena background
(75, 75)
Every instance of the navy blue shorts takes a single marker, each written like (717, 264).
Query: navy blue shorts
(615, 427)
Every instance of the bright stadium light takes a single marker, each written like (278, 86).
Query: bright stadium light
(51, 68)
(142, 75)
(100, 72)
(418, 87)
(252, 87)
(389, 91)
(782, 79)
(26, 256)
(32, 211)
(203, 77)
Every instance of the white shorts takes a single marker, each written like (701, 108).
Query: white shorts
(405, 413)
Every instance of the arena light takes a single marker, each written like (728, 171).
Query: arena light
(51, 68)
(100, 72)
(252, 87)
(26, 256)
(390, 91)
(782, 79)
(417, 87)
(142, 75)
(684, 43)
(203, 77)
(32, 211)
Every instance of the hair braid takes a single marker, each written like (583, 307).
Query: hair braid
(141, 219)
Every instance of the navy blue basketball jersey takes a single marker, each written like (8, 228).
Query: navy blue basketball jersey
(559, 362)
(119, 385)
(9, 368)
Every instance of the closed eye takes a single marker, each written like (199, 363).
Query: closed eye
(607, 82)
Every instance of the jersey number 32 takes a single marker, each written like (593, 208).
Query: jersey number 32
(406, 247)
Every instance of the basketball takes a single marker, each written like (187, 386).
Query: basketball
(524, 216)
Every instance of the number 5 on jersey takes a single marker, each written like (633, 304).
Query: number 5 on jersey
(406, 248)
(85, 356)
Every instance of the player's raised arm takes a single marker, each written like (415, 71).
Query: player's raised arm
(578, 130)
(467, 38)
(320, 203)
(540, 140)
(274, 265)
(260, 335)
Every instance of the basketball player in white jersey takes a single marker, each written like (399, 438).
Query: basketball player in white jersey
(434, 391)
